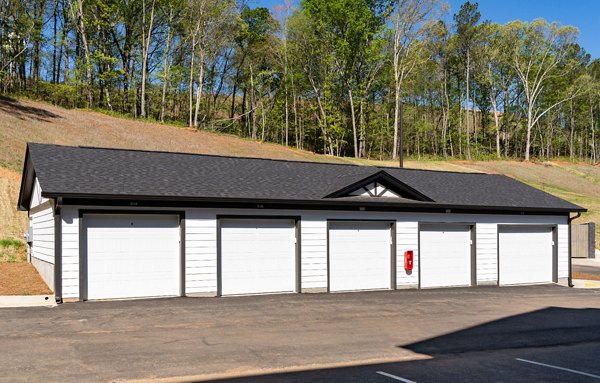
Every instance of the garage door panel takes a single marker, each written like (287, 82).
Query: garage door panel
(445, 255)
(132, 256)
(359, 256)
(525, 254)
(258, 256)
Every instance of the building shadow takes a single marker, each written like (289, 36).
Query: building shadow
(546, 328)
(15, 108)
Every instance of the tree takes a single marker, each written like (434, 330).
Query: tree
(540, 54)
(411, 24)
(466, 28)
(497, 73)
(147, 34)
(352, 29)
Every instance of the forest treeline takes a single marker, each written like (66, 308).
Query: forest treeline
(359, 78)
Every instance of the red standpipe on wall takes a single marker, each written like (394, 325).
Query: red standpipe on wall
(408, 260)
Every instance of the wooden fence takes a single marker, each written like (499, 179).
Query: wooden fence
(583, 240)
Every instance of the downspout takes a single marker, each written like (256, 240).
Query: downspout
(571, 219)
(58, 251)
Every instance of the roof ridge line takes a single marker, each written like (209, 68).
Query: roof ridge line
(381, 167)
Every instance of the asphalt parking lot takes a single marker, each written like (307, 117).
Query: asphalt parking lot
(485, 334)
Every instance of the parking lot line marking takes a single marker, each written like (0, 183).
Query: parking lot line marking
(559, 368)
(395, 377)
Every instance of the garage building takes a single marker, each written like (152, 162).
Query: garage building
(113, 223)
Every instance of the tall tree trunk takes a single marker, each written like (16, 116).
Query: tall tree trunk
(593, 131)
(572, 132)
(167, 60)
(200, 84)
(529, 127)
(446, 114)
(54, 40)
(354, 132)
(496, 121)
(191, 85)
(232, 112)
(467, 106)
(397, 101)
(38, 30)
(86, 52)
(252, 108)
(146, 41)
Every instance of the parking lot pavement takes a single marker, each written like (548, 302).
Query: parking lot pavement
(564, 364)
(446, 335)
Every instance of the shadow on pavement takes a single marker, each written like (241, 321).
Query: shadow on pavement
(545, 328)
(549, 327)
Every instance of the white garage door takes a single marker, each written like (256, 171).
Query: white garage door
(525, 254)
(130, 256)
(445, 255)
(257, 256)
(359, 256)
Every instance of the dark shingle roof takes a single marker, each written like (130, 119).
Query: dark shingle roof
(112, 173)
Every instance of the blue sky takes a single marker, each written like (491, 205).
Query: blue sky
(583, 14)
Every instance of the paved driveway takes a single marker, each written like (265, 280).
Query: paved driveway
(471, 334)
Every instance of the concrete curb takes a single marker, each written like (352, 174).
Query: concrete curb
(586, 284)
(27, 301)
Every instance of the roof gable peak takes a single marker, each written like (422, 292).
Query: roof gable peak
(380, 185)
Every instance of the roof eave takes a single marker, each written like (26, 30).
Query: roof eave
(27, 180)
(376, 204)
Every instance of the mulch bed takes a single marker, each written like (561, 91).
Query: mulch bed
(21, 279)
(592, 277)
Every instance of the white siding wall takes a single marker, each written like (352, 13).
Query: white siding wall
(201, 244)
(407, 238)
(200, 252)
(70, 252)
(486, 242)
(563, 251)
(313, 252)
(42, 223)
(36, 195)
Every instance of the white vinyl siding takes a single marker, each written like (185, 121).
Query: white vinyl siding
(486, 252)
(563, 251)
(42, 223)
(70, 252)
(407, 238)
(359, 256)
(313, 260)
(200, 252)
(36, 195)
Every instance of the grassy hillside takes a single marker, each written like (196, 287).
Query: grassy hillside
(22, 121)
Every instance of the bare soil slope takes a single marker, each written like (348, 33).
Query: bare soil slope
(23, 121)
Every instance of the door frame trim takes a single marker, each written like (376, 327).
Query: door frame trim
(393, 249)
(83, 262)
(297, 246)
